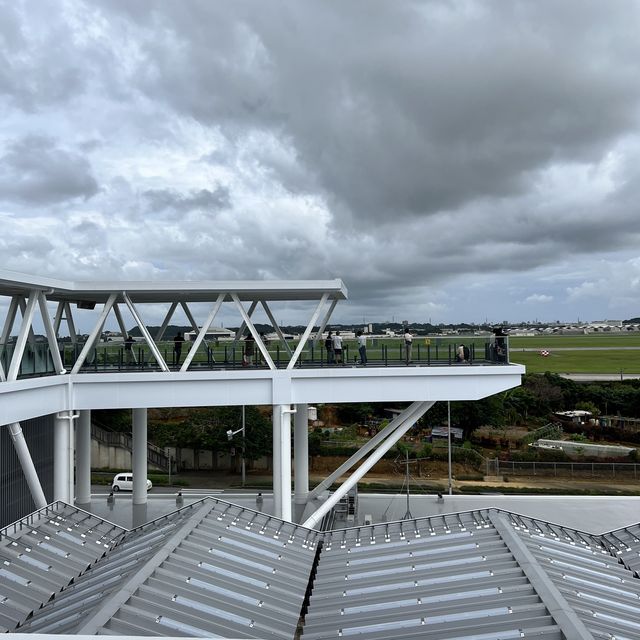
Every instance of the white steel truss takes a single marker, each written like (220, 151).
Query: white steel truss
(26, 294)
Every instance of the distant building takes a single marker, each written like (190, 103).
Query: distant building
(213, 333)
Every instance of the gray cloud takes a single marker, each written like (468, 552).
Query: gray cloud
(204, 199)
(35, 170)
(430, 153)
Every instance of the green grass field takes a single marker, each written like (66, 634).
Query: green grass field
(591, 340)
(609, 361)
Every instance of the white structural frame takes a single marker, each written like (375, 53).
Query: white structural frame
(288, 390)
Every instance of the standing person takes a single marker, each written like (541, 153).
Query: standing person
(177, 346)
(337, 347)
(408, 345)
(129, 356)
(460, 353)
(249, 351)
(328, 345)
(500, 344)
(362, 348)
(265, 342)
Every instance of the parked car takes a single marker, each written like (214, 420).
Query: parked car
(124, 482)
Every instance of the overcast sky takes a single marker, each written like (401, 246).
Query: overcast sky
(453, 161)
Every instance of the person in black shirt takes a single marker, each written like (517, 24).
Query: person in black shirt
(177, 346)
(128, 350)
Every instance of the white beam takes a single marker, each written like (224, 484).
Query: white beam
(120, 320)
(147, 336)
(9, 321)
(51, 334)
(307, 331)
(256, 336)
(276, 327)
(396, 423)
(165, 322)
(192, 320)
(57, 319)
(28, 468)
(245, 315)
(363, 469)
(70, 323)
(202, 332)
(323, 324)
(21, 341)
(95, 333)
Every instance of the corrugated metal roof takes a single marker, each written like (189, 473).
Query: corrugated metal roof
(43, 553)
(596, 586)
(219, 570)
(69, 608)
(433, 578)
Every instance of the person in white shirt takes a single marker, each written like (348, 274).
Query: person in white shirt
(337, 347)
(362, 348)
(408, 344)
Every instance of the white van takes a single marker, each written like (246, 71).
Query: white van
(124, 482)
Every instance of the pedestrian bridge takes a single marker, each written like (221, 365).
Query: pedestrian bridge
(59, 355)
(51, 364)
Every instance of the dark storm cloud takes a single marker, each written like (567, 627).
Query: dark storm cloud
(34, 170)
(409, 108)
(401, 146)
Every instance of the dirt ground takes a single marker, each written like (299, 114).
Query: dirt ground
(432, 476)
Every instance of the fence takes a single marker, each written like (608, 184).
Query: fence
(381, 352)
(619, 470)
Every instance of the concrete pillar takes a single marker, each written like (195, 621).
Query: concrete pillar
(83, 458)
(301, 453)
(139, 456)
(26, 462)
(282, 461)
(61, 463)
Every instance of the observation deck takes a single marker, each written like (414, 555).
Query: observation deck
(50, 372)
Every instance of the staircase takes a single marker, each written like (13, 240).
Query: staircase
(155, 455)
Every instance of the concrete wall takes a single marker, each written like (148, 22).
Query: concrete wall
(109, 457)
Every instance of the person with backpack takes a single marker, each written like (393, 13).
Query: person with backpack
(328, 345)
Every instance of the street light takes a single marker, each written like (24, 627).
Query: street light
(230, 434)
(449, 443)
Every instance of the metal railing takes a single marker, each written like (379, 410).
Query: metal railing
(381, 352)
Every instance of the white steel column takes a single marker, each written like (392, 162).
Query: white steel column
(61, 464)
(83, 458)
(27, 465)
(139, 456)
(301, 453)
(282, 461)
